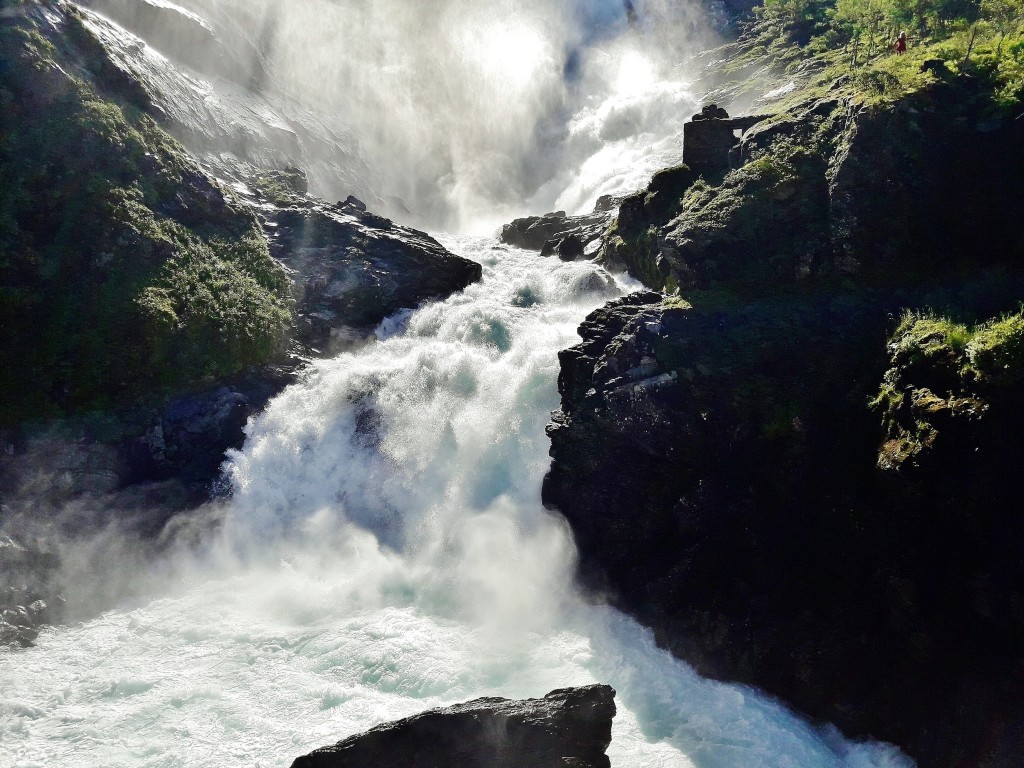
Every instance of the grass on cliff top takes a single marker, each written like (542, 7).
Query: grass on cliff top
(844, 49)
(991, 352)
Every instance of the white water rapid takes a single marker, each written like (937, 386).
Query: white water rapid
(386, 551)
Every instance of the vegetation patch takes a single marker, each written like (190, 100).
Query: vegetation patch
(944, 373)
(123, 271)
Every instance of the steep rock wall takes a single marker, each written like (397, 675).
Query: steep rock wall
(730, 471)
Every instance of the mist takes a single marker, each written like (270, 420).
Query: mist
(451, 115)
(467, 109)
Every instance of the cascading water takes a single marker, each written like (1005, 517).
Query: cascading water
(452, 114)
(385, 551)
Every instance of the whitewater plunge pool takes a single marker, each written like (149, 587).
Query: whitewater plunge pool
(385, 551)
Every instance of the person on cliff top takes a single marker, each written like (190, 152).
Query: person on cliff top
(901, 44)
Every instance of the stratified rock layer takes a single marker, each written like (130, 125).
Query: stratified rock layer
(568, 727)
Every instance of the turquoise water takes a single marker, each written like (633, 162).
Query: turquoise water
(385, 551)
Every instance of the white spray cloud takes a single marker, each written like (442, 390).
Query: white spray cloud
(465, 110)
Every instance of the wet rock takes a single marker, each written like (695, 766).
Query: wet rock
(568, 248)
(568, 727)
(531, 232)
(354, 202)
(185, 37)
(351, 268)
(547, 233)
(27, 592)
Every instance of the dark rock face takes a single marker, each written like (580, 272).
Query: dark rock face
(556, 233)
(188, 439)
(568, 727)
(351, 269)
(728, 482)
(718, 469)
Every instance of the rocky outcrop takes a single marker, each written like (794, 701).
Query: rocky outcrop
(140, 278)
(25, 592)
(718, 469)
(568, 727)
(833, 188)
(568, 237)
(128, 271)
(716, 455)
(148, 310)
(351, 269)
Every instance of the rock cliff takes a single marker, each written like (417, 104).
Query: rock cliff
(790, 488)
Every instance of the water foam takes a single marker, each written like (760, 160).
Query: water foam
(385, 552)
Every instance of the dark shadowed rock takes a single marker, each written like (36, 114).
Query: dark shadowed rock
(25, 580)
(725, 478)
(556, 233)
(352, 268)
(568, 727)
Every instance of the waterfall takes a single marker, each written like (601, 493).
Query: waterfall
(453, 114)
(385, 551)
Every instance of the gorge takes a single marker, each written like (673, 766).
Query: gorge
(781, 452)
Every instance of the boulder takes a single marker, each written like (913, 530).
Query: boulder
(351, 268)
(546, 233)
(531, 232)
(568, 248)
(568, 727)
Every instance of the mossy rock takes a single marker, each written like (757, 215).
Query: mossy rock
(124, 272)
(945, 375)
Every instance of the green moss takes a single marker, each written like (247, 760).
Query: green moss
(995, 351)
(676, 302)
(123, 271)
(942, 371)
